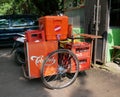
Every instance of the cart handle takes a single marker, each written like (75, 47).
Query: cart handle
(58, 37)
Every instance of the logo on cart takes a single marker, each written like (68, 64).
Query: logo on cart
(57, 28)
(41, 27)
(39, 60)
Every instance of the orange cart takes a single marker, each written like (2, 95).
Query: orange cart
(57, 67)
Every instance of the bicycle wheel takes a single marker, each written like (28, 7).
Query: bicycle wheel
(62, 67)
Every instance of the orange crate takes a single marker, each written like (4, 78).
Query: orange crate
(35, 55)
(83, 52)
(80, 49)
(34, 36)
(54, 25)
(84, 64)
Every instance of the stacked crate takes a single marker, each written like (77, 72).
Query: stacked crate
(83, 52)
(39, 43)
(53, 26)
(49, 28)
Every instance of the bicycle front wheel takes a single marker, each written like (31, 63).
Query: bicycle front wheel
(59, 69)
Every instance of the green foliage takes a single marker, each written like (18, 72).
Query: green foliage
(38, 7)
(4, 7)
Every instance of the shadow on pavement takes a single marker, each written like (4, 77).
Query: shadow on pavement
(12, 81)
(81, 90)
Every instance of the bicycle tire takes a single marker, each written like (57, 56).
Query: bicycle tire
(19, 56)
(63, 70)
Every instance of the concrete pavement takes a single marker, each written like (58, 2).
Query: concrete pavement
(95, 82)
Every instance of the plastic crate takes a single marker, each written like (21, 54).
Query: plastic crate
(84, 64)
(34, 36)
(80, 49)
(54, 25)
(83, 52)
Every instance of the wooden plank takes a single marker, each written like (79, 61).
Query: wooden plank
(116, 47)
(88, 36)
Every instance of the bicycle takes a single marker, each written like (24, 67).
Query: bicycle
(66, 71)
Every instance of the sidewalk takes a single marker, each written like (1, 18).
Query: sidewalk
(94, 82)
(111, 67)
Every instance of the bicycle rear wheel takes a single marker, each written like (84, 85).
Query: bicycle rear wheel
(63, 67)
